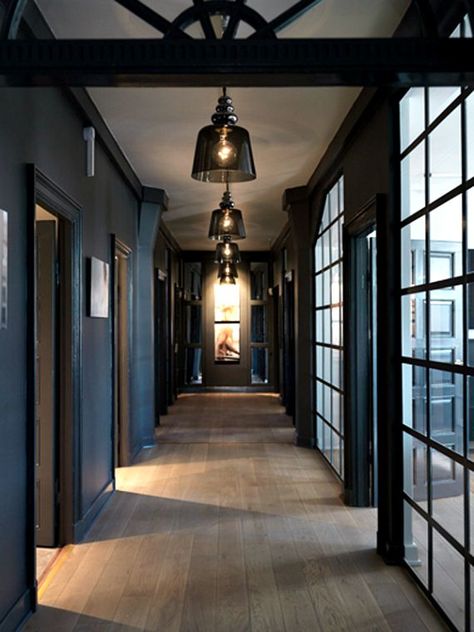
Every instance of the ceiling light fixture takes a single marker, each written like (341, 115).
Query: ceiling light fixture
(226, 221)
(227, 251)
(223, 151)
(227, 269)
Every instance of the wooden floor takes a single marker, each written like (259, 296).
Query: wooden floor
(227, 526)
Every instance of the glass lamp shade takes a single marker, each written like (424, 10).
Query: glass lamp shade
(227, 269)
(227, 280)
(227, 251)
(226, 223)
(223, 154)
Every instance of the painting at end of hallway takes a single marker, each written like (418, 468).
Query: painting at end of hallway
(99, 289)
(226, 303)
(3, 268)
(227, 342)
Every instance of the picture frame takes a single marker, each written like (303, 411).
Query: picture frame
(99, 289)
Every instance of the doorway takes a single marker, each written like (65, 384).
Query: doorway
(121, 351)
(162, 345)
(360, 288)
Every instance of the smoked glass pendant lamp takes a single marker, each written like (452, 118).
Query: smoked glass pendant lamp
(226, 221)
(223, 150)
(227, 269)
(227, 280)
(227, 251)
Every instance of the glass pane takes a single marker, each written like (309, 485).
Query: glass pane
(340, 185)
(413, 325)
(193, 366)
(337, 368)
(448, 579)
(319, 361)
(335, 285)
(413, 253)
(446, 409)
(445, 155)
(415, 467)
(192, 281)
(327, 325)
(439, 99)
(334, 202)
(471, 519)
(319, 433)
(336, 325)
(193, 324)
(470, 323)
(470, 228)
(319, 326)
(336, 451)
(412, 116)
(327, 442)
(259, 366)
(446, 335)
(318, 256)
(416, 542)
(319, 398)
(326, 248)
(259, 281)
(336, 410)
(335, 252)
(258, 325)
(414, 397)
(327, 287)
(327, 402)
(413, 181)
(447, 489)
(446, 240)
(327, 364)
(470, 413)
(318, 289)
(467, 33)
(470, 135)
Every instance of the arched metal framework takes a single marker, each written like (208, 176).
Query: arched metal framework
(220, 58)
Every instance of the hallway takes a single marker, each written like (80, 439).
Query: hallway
(224, 526)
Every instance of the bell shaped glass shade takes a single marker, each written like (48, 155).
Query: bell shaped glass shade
(227, 280)
(227, 269)
(223, 154)
(226, 223)
(227, 251)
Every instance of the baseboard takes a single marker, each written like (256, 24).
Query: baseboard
(303, 441)
(20, 612)
(81, 527)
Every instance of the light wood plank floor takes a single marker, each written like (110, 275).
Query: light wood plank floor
(227, 526)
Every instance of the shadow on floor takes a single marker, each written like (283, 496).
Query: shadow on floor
(47, 619)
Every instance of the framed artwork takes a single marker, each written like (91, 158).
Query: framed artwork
(99, 289)
(226, 303)
(227, 342)
(3, 269)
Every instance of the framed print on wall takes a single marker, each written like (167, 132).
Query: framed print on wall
(227, 342)
(99, 289)
(3, 269)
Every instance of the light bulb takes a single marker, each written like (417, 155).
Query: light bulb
(227, 222)
(224, 152)
(227, 250)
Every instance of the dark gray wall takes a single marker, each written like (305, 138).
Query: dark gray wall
(42, 126)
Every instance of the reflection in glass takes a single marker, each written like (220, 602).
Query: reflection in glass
(259, 280)
(470, 414)
(446, 240)
(413, 181)
(445, 155)
(412, 116)
(258, 331)
(446, 323)
(413, 325)
(447, 491)
(414, 397)
(192, 281)
(448, 579)
(193, 366)
(470, 323)
(416, 542)
(413, 253)
(446, 409)
(470, 228)
(259, 366)
(193, 324)
(415, 479)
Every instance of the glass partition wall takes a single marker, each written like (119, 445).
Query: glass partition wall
(193, 323)
(437, 239)
(328, 350)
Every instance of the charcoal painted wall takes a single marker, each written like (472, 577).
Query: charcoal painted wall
(42, 126)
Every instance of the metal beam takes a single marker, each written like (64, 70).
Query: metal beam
(291, 62)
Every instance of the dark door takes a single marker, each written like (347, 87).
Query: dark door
(275, 358)
(46, 381)
(121, 328)
(161, 348)
(289, 346)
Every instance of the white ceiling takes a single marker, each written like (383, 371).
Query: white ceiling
(290, 128)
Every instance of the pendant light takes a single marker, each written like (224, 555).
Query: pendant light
(226, 221)
(227, 269)
(227, 280)
(223, 151)
(227, 251)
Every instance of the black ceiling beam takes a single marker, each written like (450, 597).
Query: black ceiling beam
(152, 18)
(291, 62)
(286, 18)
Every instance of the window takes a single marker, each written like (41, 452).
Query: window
(437, 280)
(328, 352)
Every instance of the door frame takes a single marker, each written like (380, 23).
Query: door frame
(357, 402)
(44, 192)
(120, 248)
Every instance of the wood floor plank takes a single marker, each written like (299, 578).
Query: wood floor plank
(226, 526)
